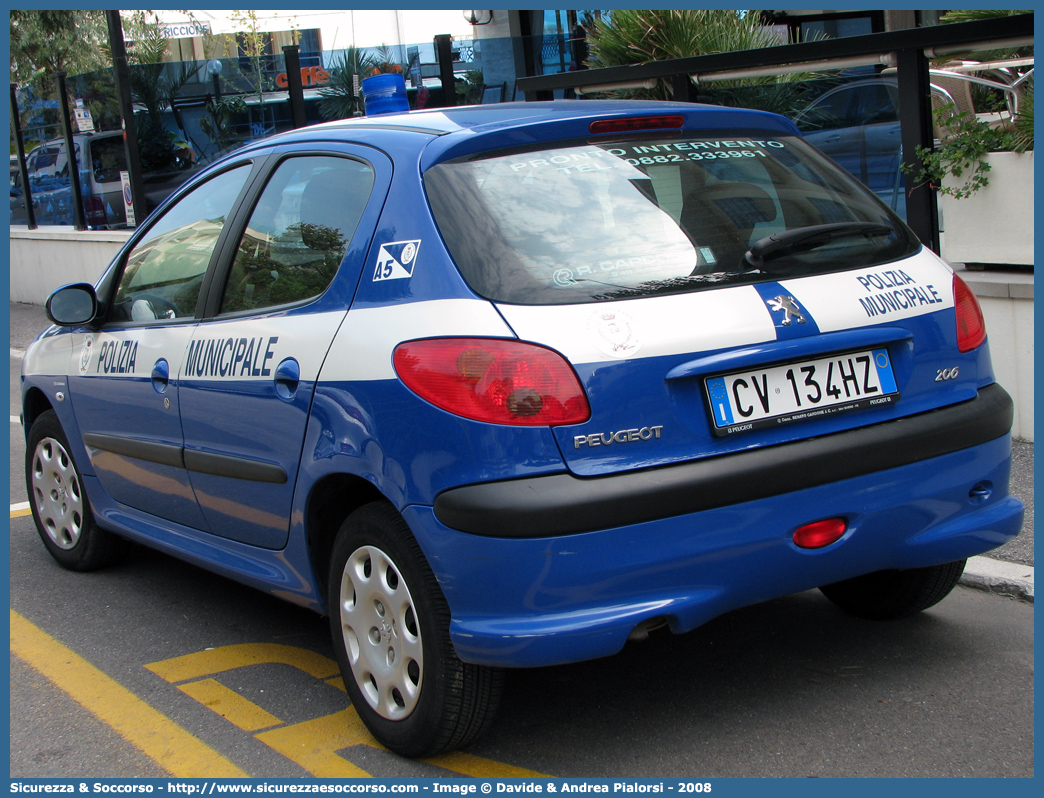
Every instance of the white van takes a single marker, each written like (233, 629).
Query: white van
(48, 167)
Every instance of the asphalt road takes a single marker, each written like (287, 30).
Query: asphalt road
(107, 664)
(788, 688)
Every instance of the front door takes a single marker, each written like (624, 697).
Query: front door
(123, 382)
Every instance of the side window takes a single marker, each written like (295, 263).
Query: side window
(108, 158)
(164, 271)
(829, 112)
(298, 233)
(875, 105)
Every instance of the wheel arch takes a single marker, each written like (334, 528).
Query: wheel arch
(34, 403)
(332, 499)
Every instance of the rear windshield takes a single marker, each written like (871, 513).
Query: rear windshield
(587, 222)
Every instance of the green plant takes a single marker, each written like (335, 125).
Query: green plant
(960, 153)
(254, 43)
(978, 14)
(1023, 126)
(640, 36)
(155, 85)
(469, 89)
(340, 97)
(384, 63)
(217, 123)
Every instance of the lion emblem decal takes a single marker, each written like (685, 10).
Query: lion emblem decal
(789, 306)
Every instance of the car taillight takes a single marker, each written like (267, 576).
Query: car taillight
(971, 327)
(494, 380)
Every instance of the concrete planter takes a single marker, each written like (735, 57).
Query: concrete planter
(995, 224)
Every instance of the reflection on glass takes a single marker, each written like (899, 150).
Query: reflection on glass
(593, 222)
(298, 233)
(166, 267)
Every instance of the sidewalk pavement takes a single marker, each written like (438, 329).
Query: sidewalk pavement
(1007, 570)
(998, 576)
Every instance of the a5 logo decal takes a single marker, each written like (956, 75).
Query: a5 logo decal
(395, 260)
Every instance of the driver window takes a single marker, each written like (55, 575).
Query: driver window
(164, 271)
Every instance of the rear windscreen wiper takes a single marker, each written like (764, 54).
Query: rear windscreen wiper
(805, 238)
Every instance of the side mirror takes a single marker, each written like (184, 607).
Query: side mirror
(72, 305)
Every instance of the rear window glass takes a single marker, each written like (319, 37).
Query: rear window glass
(587, 222)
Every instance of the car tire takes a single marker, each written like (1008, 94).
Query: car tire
(59, 502)
(885, 595)
(390, 627)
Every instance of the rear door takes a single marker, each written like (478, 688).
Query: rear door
(249, 371)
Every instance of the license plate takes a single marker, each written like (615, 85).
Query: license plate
(768, 397)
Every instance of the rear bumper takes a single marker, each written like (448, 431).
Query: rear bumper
(562, 504)
(551, 599)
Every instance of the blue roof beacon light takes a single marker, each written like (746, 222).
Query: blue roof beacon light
(385, 94)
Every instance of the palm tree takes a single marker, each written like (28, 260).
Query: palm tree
(639, 36)
(154, 86)
(340, 96)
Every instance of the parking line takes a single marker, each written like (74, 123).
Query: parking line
(317, 745)
(16, 420)
(20, 509)
(230, 705)
(477, 767)
(175, 750)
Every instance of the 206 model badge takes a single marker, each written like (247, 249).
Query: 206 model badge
(85, 354)
(791, 309)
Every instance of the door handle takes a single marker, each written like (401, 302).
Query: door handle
(160, 375)
(287, 378)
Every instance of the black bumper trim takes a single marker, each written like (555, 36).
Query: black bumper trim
(562, 504)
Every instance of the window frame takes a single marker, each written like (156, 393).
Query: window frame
(109, 284)
(221, 268)
(221, 280)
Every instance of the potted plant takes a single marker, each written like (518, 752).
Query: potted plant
(984, 176)
(982, 165)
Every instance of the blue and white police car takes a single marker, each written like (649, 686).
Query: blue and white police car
(506, 386)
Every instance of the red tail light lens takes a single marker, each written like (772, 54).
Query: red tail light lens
(820, 533)
(493, 380)
(971, 327)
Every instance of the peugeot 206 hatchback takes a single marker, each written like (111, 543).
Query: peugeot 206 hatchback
(506, 386)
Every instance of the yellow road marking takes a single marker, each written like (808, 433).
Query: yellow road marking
(226, 658)
(314, 744)
(481, 768)
(21, 509)
(230, 705)
(171, 747)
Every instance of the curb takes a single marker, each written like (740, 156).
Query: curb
(998, 576)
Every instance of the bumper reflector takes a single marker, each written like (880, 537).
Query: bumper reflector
(820, 533)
